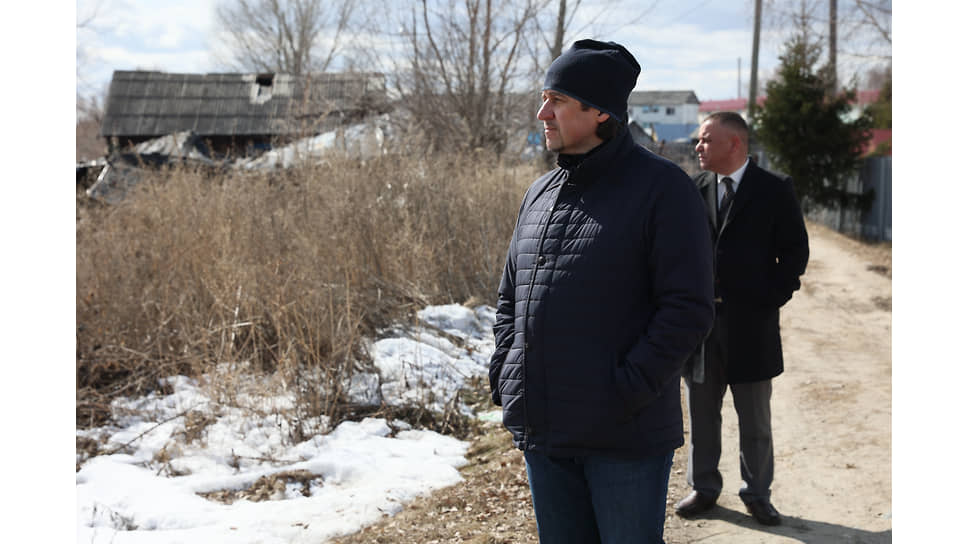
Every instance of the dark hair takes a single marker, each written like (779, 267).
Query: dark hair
(733, 121)
(608, 128)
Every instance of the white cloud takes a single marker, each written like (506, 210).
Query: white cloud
(132, 34)
(171, 36)
(682, 56)
(118, 58)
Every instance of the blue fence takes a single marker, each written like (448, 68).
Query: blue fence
(876, 174)
(874, 224)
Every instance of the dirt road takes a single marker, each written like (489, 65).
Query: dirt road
(831, 412)
(831, 421)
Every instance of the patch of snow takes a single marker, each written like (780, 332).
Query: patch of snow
(149, 490)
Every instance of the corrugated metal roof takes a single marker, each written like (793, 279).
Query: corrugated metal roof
(151, 104)
(662, 98)
(863, 98)
(673, 132)
(731, 104)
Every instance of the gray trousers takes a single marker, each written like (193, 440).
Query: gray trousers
(752, 403)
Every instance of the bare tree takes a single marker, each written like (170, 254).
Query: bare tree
(89, 99)
(474, 66)
(466, 72)
(85, 25)
(291, 36)
(868, 23)
(863, 28)
(90, 112)
(576, 18)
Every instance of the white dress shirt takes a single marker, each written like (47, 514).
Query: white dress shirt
(736, 176)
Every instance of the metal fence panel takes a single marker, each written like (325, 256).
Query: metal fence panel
(876, 174)
(874, 224)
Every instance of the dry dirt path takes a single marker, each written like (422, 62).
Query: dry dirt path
(831, 411)
(831, 420)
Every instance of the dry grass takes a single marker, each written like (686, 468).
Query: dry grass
(491, 506)
(493, 503)
(282, 274)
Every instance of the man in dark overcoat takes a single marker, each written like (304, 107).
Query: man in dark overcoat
(760, 251)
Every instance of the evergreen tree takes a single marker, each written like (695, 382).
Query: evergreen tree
(806, 131)
(881, 110)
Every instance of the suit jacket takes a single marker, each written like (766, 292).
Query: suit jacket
(760, 252)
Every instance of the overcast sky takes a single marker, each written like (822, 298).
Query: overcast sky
(699, 45)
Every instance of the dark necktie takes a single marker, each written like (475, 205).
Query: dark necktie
(727, 200)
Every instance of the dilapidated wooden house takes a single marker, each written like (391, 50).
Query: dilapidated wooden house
(235, 112)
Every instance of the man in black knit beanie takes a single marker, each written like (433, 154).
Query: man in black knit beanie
(607, 288)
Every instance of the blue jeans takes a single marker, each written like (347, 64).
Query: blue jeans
(584, 500)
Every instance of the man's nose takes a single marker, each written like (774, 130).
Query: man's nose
(544, 112)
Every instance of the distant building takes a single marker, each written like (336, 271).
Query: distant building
(670, 115)
(879, 142)
(862, 100)
(738, 105)
(233, 111)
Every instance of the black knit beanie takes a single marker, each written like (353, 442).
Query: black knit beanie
(599, 74)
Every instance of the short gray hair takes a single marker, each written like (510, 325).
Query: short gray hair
(733, 121)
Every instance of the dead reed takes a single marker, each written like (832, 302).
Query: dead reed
(282, 273)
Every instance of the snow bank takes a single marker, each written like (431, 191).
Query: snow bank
(359, 472)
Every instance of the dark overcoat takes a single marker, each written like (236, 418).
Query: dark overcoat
(760, 252)
(606, 291)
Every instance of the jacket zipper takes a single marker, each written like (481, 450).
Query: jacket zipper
(527, 310)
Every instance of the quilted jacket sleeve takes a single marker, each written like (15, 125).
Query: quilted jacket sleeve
(504, 318)
(679, 250)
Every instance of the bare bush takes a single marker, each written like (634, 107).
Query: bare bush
(283, 273)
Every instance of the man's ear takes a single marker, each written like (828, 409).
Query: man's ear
(602, 116)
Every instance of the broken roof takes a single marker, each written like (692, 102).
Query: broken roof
(152, 104)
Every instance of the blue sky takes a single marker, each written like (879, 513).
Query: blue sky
(692, 44)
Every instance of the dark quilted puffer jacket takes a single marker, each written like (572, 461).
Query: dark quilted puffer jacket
(607, 288)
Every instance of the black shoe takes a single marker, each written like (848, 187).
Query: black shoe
(764, 512)
(695, 503)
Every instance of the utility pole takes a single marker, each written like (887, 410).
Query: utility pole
(755, 61)
(739, 71)
(833, 47)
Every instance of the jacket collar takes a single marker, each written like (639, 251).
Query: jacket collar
(706, 182)
(591, 166)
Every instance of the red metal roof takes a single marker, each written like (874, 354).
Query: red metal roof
(732, 104)
(879, 136)
(863, 98)
(867, 97)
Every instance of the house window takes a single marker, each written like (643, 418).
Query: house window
(670, 111)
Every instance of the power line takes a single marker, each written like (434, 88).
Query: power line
(687, 12)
